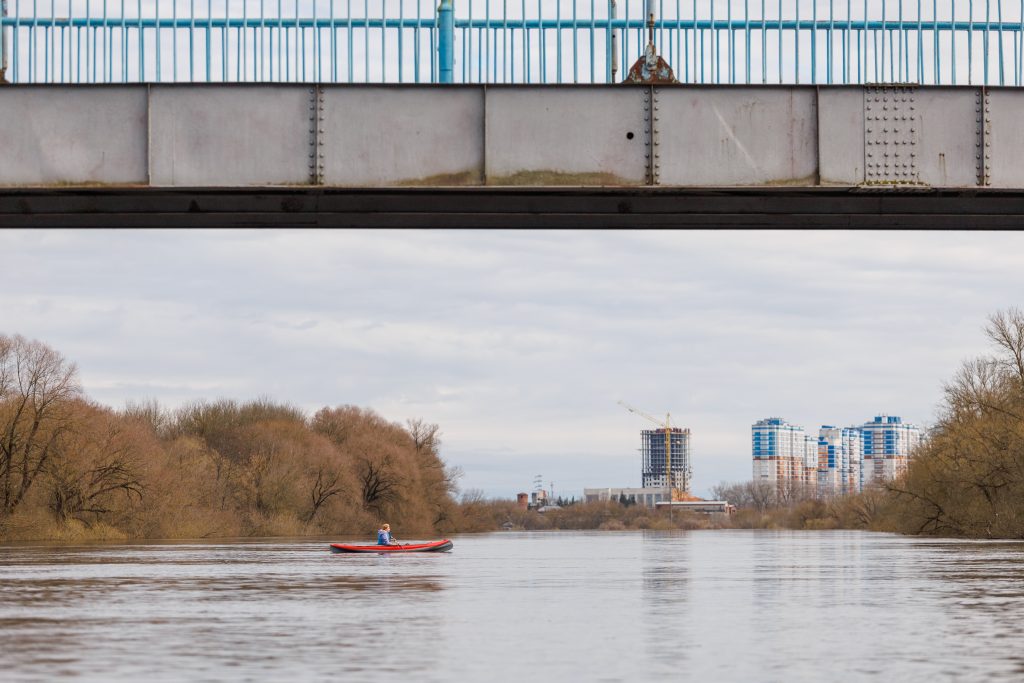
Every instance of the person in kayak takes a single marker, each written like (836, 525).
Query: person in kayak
(384, 536)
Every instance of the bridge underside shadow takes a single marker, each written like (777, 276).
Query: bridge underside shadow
(490, 207)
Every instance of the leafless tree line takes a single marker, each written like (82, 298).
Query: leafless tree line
(207, 468)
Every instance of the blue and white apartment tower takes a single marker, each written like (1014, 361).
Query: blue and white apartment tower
(888, 442)
(839, 460)
(784, 455)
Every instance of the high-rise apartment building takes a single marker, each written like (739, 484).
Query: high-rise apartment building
(839, 460)
(784, 454)
(654, 473)
(809, 475)
(887, 444)
(854, 445)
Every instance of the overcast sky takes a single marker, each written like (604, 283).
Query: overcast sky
(520, 344)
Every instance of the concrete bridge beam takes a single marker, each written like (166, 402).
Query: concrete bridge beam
(650, 147)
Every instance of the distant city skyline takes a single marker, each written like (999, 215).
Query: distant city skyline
(836, 461)
(520, 344)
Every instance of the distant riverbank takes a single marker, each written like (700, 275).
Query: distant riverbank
(71, 469)
(869, 511)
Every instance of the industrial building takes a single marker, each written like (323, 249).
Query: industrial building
(645, 497)
(706, 507)
(657, 498)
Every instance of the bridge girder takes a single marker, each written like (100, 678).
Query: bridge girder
(539, 156)
(509, 208)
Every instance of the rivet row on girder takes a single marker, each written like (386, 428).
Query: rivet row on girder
(320, 135)
(655, 149)
(979, 142)
(316, 135)
(651, 153)
(313, 144)
(983, 143)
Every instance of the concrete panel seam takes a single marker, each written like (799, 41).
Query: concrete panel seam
(483, 132)
(864, 131)
(817, 135)
(149, 134)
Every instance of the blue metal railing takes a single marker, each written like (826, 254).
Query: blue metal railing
(510, 41)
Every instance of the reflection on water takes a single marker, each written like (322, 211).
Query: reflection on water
(713, 605)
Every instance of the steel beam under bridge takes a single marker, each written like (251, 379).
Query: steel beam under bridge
(510, 156)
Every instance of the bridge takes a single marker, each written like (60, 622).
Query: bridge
(416, 118)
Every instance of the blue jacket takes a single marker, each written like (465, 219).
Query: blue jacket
(383, 537)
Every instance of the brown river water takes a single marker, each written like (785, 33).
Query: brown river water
(548, 606)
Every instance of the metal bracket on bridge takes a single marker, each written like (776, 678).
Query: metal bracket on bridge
(891, 134)
(651, 68)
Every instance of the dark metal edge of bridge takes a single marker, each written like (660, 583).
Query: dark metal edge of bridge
(510, 207)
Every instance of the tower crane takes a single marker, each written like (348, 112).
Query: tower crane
(667, 426)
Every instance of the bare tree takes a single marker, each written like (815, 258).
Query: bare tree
(326, 484)
(90, 467)
(763, 495)
(36, 387)
(151, 414)
(378, 479)
(1006, 330)
(426, 437)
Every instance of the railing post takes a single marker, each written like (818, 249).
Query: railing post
(446, 41)
(650, 21)
(613, 14)
(3, 43)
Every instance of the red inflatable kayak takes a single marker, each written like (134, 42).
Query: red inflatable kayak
(430, 547)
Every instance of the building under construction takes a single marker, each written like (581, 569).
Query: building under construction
(654, 474)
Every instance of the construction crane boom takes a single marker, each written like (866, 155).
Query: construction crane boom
(667, 426)
(646, 416)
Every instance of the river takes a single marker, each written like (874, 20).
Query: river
(549, 606)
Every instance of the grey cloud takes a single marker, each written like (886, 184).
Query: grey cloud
(523, 340)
